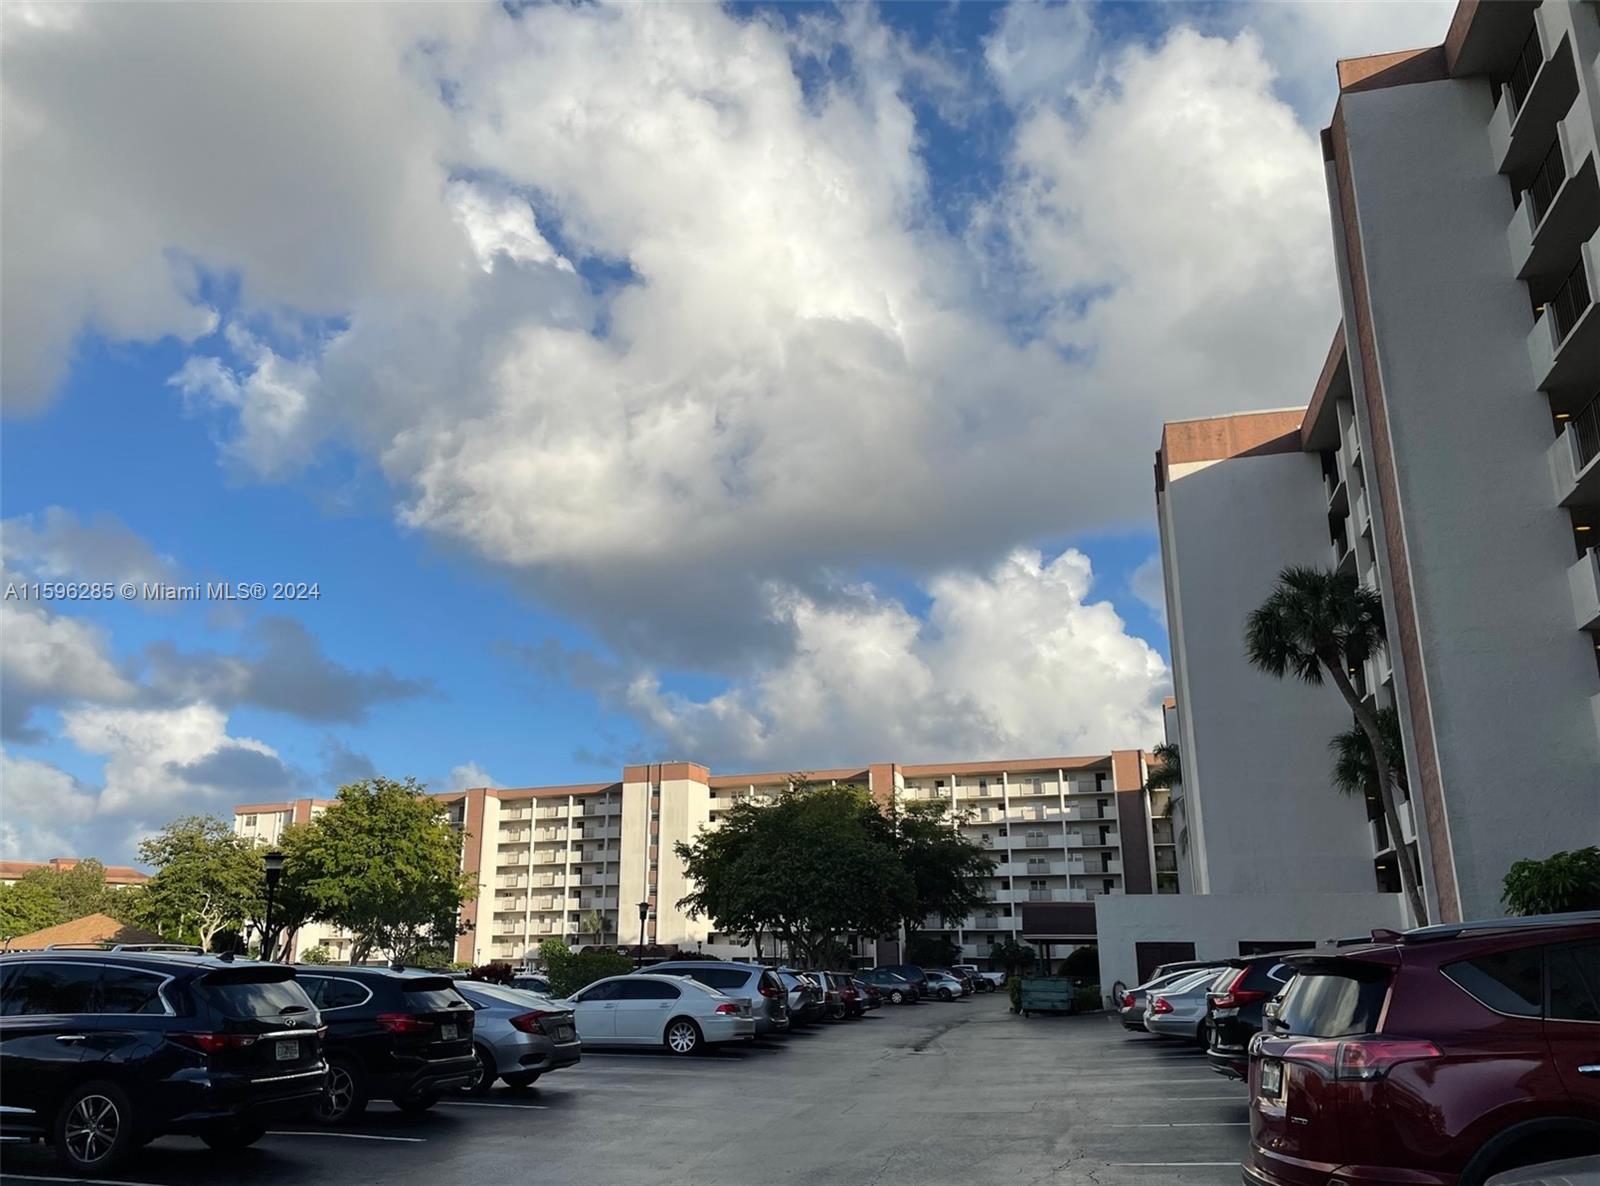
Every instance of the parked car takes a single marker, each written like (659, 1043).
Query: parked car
(104, 1050)
(1178, 1009)
(807, 1005)
(531, 982)
(911, 973)
(517, 1036)
(945, 986)
(850, 998)
(755, 983)
(967, 982)
(1235, 1006)
(870, 996)
(1442, 1055)
(1131, 1005)
(981, 981)
(393, 1034)
(645, 1009)
(896, 989)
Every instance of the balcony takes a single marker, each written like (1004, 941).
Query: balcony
(1564, 343)
(1561, 206)
(557, 812)
(1092, 840)
(511, 858)
(548, 834)
(507, 837)
(1095, 865)
(597, 903)
(1087, 813)
(1539, 92)
(1584, 577)
(593, 833)
(985, 924)
(1575, 458)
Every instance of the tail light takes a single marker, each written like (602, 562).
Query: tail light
(1160, 1005)
(730, 1007)
(529, 1023)
(1233, 996)
(404, 1023)
(214, 1043)
(1361, 1058)
(768, 990)
(1127, 1000)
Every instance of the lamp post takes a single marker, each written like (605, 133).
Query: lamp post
(644, 913)
(274, 866)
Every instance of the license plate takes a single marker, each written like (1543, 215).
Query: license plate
(287, 1051)
(563, 1033)
(447, 1033)
(1271, 1078)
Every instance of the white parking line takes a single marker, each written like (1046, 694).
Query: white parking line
(89, 1181)
(486, 1104)
(1189, 1124)
(346, 1136)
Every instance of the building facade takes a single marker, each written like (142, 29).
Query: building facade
(117, 876)
(575, 862)
(1449, 457)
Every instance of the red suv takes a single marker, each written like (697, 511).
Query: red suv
(1431, 1058)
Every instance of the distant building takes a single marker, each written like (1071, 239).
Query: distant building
(117, 876)
(91, 928)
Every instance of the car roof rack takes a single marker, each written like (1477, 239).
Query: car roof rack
(179, 948)
(1452, 930)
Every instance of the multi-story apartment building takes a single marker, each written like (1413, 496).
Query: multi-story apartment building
(576, 862)
(1449, 457)
(117, 876)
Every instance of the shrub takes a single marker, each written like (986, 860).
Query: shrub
(1088, 998)
(1014, 991)
(316, 955)
(1563, 882)
(568, 971)
(1084, 963)
(493, 972)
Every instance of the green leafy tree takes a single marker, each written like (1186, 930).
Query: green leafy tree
(293, 902)
(1013, 957)
(316, 955)
(205, 879)
(947, 870)
(934, 951)
(813, 865)
(29, 905)
(1560, 883)
(1083, 962)
(569, 970)
(384, 862)
(1319, 625)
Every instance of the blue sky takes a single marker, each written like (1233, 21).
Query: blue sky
(753, 385)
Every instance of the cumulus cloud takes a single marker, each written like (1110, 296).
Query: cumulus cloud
(57, 544)
(1147, 585)
(41, 802)
(468, 776)
(48, 659)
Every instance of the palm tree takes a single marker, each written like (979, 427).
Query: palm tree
(1354, 772)
(592, 924)
(1322, 624)
(1167, 775)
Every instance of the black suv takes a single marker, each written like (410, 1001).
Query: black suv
(104, 1050)
(392, 1034)
(1234, 1009)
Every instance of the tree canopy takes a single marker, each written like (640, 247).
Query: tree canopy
(947, 870)
(47, 896)
(205, 881)
(1560, 883)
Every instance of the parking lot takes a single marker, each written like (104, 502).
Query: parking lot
(934, 1093)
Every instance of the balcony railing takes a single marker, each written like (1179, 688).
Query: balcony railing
(1585, 430)
(1570, 302)
(1542, 189)
(1529, 60)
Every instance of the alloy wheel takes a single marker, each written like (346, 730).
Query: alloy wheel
(681, 1037)
(341, 1090)
(92, 1128)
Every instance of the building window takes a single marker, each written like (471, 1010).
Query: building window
(249, 821)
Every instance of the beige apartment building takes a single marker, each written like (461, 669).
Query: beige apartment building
(575, 862)
(1449, 456)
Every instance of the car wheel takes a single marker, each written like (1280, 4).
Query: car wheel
(417, 1104)
(1203, 1035)
(683, 1036)
(227, 1137)
(345, 1095)
(944, 994)
(897, 997)
(483, 1071)
(94, 1129)
(520, 1078)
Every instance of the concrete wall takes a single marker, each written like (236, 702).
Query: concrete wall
(685, 809)
(1262, 818)
(1509, 678)
(1217, 923)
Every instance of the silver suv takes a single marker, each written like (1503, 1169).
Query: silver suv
(767, 996)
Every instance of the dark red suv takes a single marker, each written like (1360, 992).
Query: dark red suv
(1432, 1058)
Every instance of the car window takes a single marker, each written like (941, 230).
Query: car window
(1506, 981)
(647, 990)
(719, 977)
(128, 990)
(606, 990)
(50, 988)
(432, 1000)
(251, 992)
(335, 992)
(1332, 1004)
(1574, 971)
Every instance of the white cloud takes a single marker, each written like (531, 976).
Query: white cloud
(48, 659)
(1147, 585)
(57, 545)
(1017, 660)
(43, 805)
(469, 776)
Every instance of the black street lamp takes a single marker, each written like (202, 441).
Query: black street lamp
(644, 913)
(274, 866)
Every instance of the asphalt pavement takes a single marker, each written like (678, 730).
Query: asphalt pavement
(930, 1094)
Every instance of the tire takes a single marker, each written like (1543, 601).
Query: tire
(520, 1078)
(1202, 1035)
(95, 1129)
(683, 1037)
(345, 1096)
(231, 1137)
(897, 997)
(416, 1105)
(487, 1071)
(944, 995)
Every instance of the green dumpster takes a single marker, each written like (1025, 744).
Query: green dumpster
(1049, 994)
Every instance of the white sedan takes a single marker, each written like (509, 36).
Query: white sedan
(647, 1010)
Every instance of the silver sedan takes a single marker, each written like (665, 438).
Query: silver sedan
(683, 1015)
(1178, 1010)
(516, 1035)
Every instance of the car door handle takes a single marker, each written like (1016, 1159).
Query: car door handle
(71, 1037)
(1589, 1068)
(608, 1006)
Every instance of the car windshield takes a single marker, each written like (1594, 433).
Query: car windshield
(255, 992)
